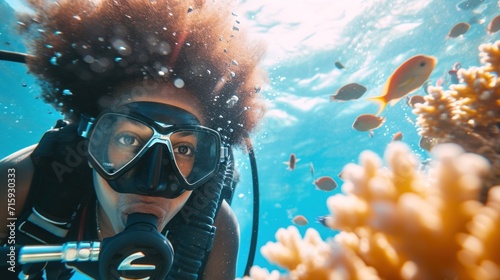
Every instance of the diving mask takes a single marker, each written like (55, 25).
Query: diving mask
(153, 149)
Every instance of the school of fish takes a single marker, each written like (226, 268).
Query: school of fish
(409, 76)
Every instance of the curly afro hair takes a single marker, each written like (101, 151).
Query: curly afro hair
(83, 49)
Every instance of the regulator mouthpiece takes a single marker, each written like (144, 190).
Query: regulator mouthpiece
(139, 252)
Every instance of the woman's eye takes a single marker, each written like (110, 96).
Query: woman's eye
(128, 140)
(184, 150)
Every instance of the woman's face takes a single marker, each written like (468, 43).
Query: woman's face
(116, 206)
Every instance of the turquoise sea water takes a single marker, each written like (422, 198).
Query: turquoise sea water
(305, 39)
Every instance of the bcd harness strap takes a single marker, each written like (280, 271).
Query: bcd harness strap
(61, 183)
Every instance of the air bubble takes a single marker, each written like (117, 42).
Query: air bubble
(77, 17)
(89, 59)
(232, 101)
(67, 92)
(121, 46)
(179, 83)
(164, 48)
(53, 60)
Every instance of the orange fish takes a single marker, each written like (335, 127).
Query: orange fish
(408, 77)
(300, 220)
(494, 25)
(292, 162)
(368, 122)
(398, 136)
(458, 29)
(325, 183)
(348, 92)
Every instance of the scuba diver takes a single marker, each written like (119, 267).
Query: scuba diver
(155, 95)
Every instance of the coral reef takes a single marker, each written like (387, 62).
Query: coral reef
(398, 222)
(468, 113)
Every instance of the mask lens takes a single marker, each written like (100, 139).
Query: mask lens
(195, 153)
(117, 140)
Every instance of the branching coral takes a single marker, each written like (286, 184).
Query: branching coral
(469, 113)
(481, 260)
(313, 258)
(397, 222)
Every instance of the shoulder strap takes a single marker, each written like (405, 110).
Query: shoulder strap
(61, 183)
